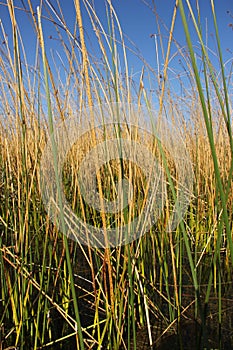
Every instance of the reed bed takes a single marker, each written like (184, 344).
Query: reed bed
(160, 289)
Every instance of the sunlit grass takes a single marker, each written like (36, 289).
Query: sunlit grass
(57, 293)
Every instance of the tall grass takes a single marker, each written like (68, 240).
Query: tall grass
(59, 293)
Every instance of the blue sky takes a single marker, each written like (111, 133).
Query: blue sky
(138, 23)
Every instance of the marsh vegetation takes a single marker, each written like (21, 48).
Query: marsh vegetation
(165, 287)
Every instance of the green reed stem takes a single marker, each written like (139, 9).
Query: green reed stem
(207, 119)
(55, 158)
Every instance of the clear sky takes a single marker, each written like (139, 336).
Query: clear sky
(138, 23)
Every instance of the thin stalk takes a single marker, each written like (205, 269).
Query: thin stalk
(55, 157)
(161, 98)
(90, 102)
(208, 126)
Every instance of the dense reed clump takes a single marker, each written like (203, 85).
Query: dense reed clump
(164, 287)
